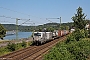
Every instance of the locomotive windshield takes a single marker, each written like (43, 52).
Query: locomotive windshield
(37, 34)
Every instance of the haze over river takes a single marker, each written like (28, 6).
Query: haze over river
(20, 35)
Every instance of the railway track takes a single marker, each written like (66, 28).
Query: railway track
(17, 53)
(32, 52)
(45, 48)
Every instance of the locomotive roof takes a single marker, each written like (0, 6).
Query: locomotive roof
(41, 32)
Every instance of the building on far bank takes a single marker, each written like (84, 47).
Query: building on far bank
(87, 26)
(72, 30)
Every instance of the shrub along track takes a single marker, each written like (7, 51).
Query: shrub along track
(32, 52)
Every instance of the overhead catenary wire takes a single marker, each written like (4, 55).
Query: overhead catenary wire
(13, 10)
(27, 20)
(49, 20)
(12, 17)
(30, 24)
(7, 17)
(7, 22)
(19, 12)
(24, 13)
(27, 15)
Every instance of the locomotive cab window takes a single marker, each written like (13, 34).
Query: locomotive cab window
(37, 34)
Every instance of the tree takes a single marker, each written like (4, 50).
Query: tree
(2, 32)
(79, 19)
(51, 29)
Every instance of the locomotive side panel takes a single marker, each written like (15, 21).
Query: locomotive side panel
(49, 35)
(41, 37)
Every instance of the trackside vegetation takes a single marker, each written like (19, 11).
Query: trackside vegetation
(13, 47)
(77, 44)
(74, 48)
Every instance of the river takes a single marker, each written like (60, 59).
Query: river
(20, 35)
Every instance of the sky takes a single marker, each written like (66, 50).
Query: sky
(38, 10)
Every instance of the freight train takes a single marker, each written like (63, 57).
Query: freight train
(43, 37)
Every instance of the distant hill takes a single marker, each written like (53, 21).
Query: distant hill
(31, 28)
(11, 27)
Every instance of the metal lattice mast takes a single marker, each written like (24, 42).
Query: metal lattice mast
(17, 28)
(60, 23)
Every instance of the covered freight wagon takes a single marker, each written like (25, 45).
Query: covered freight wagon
(60, 33)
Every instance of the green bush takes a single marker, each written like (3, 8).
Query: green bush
(78, 50)
(59, 52)
(3, 50)
(11, 46)
(30, 43)
(19, 46)
(86, 33)
(70, 39)
(24, 44)
(77, 35)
